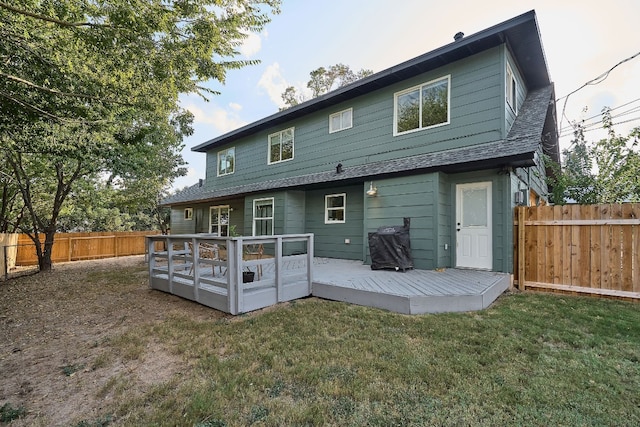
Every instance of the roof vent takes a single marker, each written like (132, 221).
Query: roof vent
(200, 182)
(459, 35)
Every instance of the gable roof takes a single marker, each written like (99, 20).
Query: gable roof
(520, 33)
(518, 149)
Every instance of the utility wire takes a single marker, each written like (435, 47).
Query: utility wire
(602, 77)
(598, 123)
(599, 115)
(568, 133)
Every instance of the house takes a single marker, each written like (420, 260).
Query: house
(453, 139)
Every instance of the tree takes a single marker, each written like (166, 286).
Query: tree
(90, 89)
(323, 80)
(604, 172)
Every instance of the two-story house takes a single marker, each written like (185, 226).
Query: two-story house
(452, 139)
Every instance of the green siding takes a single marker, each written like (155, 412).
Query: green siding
(412, 197)
(445, 223)
(477, 116)
(178, 224)
(200, 221)
(329, 239)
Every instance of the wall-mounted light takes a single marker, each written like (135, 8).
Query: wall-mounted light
(372, 191)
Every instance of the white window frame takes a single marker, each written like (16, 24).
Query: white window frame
(188, 214)
(511, 89)
(219, 225)
(341, 116)
(280, 133)
(420, 87)
(343, 208)
(267, 218)
(226, 154)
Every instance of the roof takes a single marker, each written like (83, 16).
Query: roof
(518, 149)
(520, 33)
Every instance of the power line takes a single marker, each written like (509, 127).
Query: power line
(599, 115)
(585, 125)
(562, 135)
(602, 77)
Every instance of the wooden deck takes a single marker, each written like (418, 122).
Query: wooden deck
(217, 282)
(411, 292)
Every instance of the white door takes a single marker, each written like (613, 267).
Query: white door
(473, 226)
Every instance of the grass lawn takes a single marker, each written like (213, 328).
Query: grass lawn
(530, 359)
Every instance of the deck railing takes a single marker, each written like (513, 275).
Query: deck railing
(210, 270)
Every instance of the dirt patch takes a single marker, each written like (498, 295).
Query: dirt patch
(57, 332)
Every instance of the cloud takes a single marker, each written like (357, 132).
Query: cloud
(251, 45)
(273, 83)
(221, 119)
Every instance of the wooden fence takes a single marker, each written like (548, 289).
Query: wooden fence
(584, 249)
(84, 246)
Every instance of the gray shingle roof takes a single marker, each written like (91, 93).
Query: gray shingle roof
(517, 149)
(520, 32)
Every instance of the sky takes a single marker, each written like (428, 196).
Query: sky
(582, 40)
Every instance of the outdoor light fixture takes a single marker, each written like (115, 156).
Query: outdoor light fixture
(372, 191)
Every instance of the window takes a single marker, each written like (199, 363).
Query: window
(188, 214)
(281, 146)
(422, 106)
(341, 120)
(263, 217)
(219, 221)
(334, 205)
(512, 89)
(226, 161)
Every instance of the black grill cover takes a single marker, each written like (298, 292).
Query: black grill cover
(390, 247)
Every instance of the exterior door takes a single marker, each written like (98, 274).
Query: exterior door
(219, 221)
(473, 226)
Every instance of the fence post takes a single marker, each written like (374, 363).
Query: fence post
(521, 247)
(5, 264)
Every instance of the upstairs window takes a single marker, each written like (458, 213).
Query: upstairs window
(341, 120)
(334, 208)
(281, 146)
(512, 90)
(226, 161)
(422, 107)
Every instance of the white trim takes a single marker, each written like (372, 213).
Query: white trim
(511, 89)
(419, 88)
(474, 243)
(342, 126)
(226, 151)
(343, 208)
(293, 139)
(219, 208)
(253, 214)
(188, 214)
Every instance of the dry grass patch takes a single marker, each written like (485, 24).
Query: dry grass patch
(142, 357)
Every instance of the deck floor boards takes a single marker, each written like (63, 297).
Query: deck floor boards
(412, 291)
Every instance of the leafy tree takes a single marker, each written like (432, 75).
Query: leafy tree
(11, 208)
(323, 80)
(604, 172)
(90, 89)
